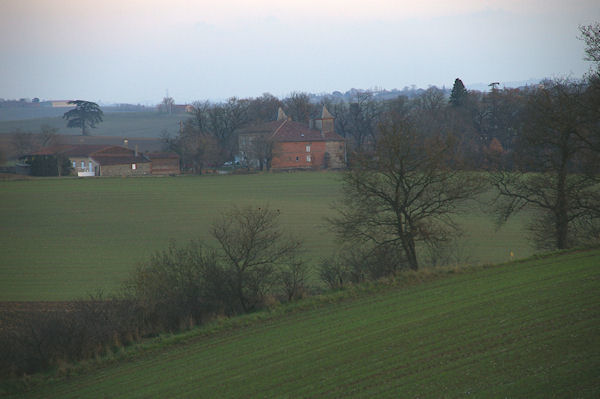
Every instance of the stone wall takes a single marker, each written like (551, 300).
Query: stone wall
(337, 154)
(141, 169)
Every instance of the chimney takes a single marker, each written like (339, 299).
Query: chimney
(281, 116)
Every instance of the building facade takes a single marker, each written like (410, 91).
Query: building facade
(101, 160)
(286, 144)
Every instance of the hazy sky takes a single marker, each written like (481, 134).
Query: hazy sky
(134, 50)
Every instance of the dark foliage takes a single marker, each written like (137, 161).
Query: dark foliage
(403, 192)
(556, 164)
(36, 339)
(50, 165)
(459, 93)
(86, 114)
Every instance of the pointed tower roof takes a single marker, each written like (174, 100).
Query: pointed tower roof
(281, 116)
(325, 113)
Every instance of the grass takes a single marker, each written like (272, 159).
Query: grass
(520, 330)
(62, 239)
(121, 124)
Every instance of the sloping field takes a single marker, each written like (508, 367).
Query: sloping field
(521, 330)
(65, 238)
(121, 124)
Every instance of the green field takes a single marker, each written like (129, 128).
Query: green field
(121, 124)
(62, 239)
(520, 330)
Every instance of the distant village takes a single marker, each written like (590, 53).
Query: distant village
(300, 132)
(291, 146)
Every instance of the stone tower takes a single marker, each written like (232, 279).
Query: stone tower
(326, 122)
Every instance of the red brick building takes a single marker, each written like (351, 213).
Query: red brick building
(293, 145)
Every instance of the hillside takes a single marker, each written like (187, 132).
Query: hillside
(119, 124)
(524, 329)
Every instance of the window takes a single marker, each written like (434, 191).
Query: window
(82, 164)
(296, 158)
(308, 148)
(74, 164)
(308, 158)
(133, 166)
(90, 167)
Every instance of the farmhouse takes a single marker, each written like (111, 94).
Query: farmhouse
(121, 161)
(287, 144)
(102, 160)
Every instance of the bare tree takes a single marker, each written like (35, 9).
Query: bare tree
(253, 248)
(557, 165)
(263, 108)
(402, 193)
(262, 149)
(431, 100)
(221, 121)
(48, 135)
(196, 148)
(590, 34)
(298, 107)
(23, 143)
(293, 277)
(167, 105)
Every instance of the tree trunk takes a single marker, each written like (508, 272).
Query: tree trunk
(561, 213)
(408, 242)
(561, 210)
(411, 253)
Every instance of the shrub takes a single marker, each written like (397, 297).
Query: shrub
(178, 285)
(36, 339)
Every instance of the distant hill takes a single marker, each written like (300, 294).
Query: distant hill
(119, 124)
(502, 85)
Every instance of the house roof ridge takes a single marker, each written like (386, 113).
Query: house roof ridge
(280, 126)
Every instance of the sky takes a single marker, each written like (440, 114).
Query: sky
(137, 51)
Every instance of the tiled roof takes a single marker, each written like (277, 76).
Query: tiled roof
(119, 160)
(261, 128)
(85, 150)
(294, 131)
(103, 154)
(287, 130)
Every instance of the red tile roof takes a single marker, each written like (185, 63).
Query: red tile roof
(288, 131)
(119, 160)
(103, 154)
(85, 150)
